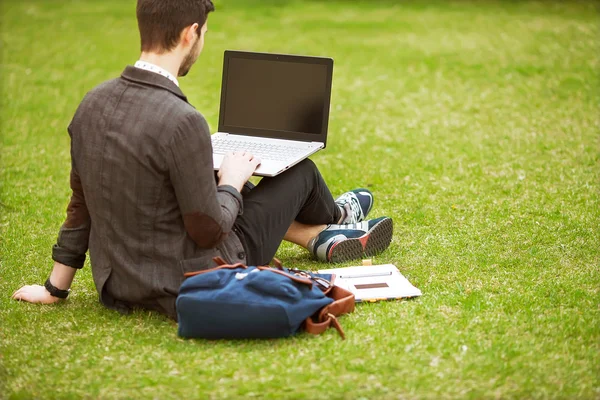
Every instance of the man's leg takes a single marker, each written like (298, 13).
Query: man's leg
(270, 209)
(302, 234)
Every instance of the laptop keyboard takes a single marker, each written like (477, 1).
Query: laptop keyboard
(261, 150)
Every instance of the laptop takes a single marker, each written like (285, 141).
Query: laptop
(373, 283)
(274, 106)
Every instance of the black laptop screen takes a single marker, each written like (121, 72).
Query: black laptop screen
(274, 95)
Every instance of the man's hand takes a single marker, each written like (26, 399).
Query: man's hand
(237, 168)
(61, 277)
(34, 294)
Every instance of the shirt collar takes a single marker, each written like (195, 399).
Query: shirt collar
(144, 77)
(145, 65)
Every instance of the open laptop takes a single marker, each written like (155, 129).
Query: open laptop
(274, 106)
(374, 282)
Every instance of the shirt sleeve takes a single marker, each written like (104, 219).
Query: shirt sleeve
(74, 234)
(208, 211)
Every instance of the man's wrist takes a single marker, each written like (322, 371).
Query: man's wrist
(234, 183)
(54, 291)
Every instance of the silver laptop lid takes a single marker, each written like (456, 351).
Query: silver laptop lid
(276, 96)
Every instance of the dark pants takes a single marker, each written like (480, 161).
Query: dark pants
(299, 193)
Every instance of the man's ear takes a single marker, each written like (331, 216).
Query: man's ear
(188, 34)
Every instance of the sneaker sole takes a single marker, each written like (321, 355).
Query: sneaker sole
(376, 240)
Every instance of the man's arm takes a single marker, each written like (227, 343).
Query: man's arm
(74, 234)
(61, 278)
(69, 251)
(209, 211)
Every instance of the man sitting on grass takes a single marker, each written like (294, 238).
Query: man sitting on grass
(146, 202)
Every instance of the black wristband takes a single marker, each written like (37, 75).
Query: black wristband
(54, 291)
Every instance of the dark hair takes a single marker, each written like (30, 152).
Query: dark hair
(161, 21)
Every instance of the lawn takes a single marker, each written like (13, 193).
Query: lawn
(475, 124)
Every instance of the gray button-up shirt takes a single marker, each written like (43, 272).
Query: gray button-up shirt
(145, 200)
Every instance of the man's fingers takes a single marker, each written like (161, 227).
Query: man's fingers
(22, 292)
(26, 293)
(18, 293)
(241, 154)
(22, 297)
(256, 161)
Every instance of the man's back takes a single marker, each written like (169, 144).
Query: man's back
(127, 141)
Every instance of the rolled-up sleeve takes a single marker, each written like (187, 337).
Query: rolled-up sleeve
(74, 234)
(208, 211)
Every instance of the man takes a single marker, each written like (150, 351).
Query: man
(146, 202)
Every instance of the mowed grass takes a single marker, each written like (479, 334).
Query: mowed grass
(476, 125)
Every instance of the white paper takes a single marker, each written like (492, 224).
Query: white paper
(373, 282)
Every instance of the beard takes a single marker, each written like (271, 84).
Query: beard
(189, 59)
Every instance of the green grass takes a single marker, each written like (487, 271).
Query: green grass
(476, 125)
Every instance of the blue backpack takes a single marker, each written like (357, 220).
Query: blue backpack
(236, 301)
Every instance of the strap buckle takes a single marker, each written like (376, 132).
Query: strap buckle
(322, 283)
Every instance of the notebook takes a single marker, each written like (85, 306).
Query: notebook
(274, 106)
(374, 282)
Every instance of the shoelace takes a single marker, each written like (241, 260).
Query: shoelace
(353, 211)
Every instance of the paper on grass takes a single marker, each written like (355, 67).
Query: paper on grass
(373, 282)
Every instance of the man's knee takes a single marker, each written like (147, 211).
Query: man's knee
(307, 165)
(305, 170)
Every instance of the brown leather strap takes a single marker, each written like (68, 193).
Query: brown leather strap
(316, 328)
(295, 278)
(277, 263)
(219, 261)
(238, 265)
(320, 281)
(343, 303)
